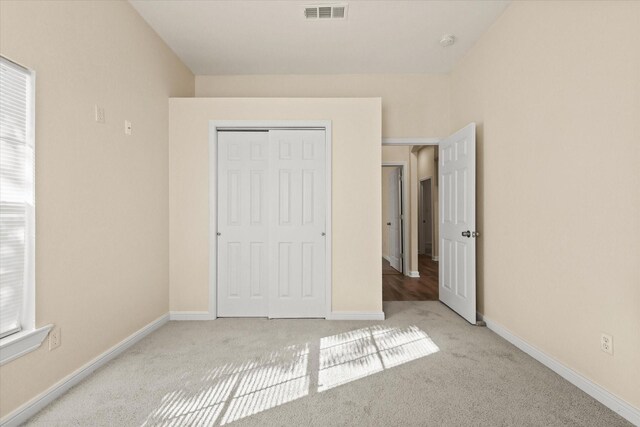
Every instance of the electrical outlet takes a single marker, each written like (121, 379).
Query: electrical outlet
(55, 339)
(606, 343)
(99, 114)
(127, 127)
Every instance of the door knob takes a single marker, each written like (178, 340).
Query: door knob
(466, 233)
(388, 223)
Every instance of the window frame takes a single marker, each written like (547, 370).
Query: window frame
(27, 338)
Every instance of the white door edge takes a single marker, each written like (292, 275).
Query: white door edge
(405, 209)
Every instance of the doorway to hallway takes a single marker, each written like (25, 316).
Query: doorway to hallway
(398, 287)
(448, 168)
(399, 282)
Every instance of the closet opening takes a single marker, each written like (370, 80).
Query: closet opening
(270, 228)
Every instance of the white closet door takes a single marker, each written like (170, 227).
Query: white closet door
(297, 225)
(243, 224)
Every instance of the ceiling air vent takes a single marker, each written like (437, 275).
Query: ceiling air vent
(310, 12)
(339, 12)
(326, 12)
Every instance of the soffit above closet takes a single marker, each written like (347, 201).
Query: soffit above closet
(274, 37)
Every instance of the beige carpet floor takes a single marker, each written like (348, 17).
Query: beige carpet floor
(423, 366)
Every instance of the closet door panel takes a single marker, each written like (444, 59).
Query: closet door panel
(296, 234)
(243, 224)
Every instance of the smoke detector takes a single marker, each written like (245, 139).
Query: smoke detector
(447, 40)
(325, 11)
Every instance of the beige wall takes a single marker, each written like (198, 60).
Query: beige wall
(413, 105)
(101, 198)
(428, 167)
(555, 90)
(356, 198)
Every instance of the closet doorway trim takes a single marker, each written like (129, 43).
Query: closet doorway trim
(248, 125)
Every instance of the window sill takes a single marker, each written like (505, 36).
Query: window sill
(21, 343)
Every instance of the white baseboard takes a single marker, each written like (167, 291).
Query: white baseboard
(435, 258)
(190, 315)
(355, 315)
(32, 407)
(415, 274)
(608, 399)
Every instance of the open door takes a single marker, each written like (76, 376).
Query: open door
(457, 176)
(395, 219)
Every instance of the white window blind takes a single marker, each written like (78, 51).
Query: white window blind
(16, 196)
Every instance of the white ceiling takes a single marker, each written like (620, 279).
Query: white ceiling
(273, 37)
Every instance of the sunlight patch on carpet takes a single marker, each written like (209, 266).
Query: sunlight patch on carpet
(233, 391)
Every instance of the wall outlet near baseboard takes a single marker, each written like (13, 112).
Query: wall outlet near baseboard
(606, 343)
(55, 338)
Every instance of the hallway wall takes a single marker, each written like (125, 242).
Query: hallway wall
(428, 167)
(405, 153)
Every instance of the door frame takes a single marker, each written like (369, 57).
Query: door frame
(214, 127)
(405, 213)
(421, 212)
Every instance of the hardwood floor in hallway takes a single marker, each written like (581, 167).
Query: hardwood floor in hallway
(398, 287)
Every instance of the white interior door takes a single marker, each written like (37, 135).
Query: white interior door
(426, 231)
(457, 175)
(297, 226)
(243, 224)
(395, 229)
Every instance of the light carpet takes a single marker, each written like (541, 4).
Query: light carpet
(422, 366)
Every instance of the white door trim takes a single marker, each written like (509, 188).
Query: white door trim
(410, 141)
(214, 127)
(405, 214)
